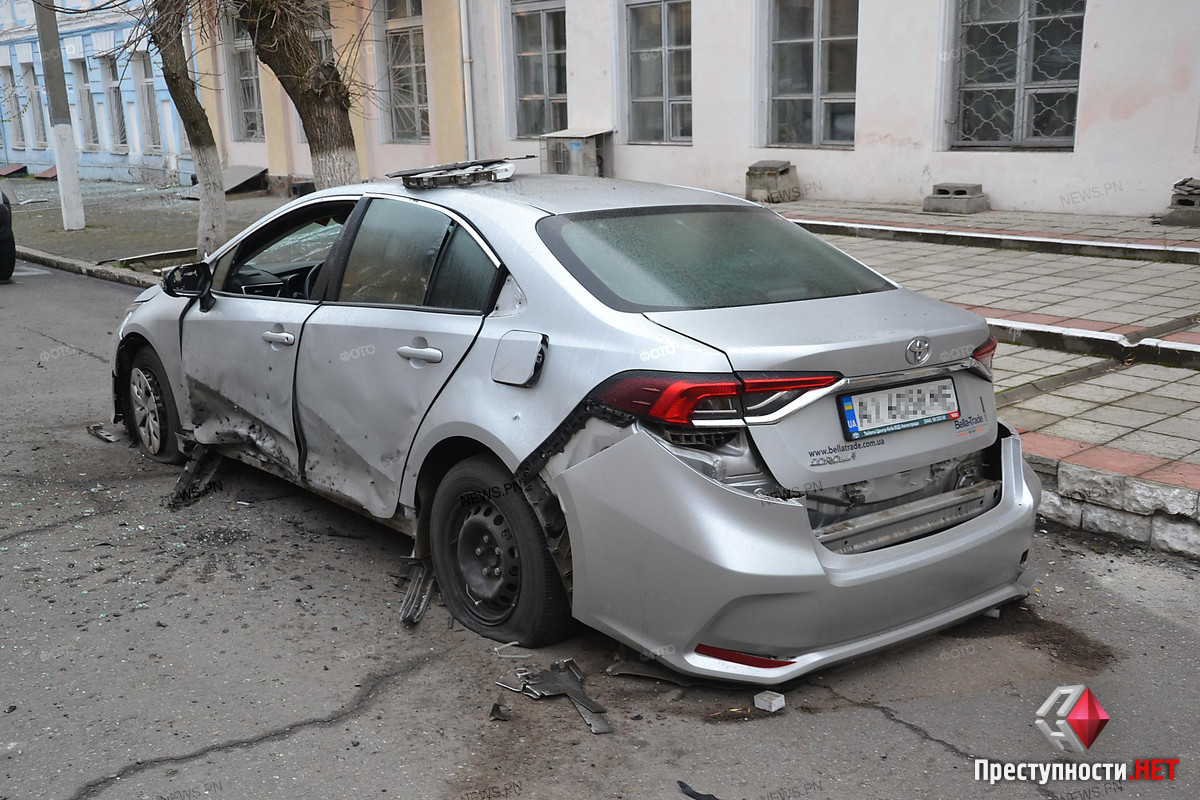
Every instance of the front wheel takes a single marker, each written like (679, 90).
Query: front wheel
(152, 416)
(490, 555)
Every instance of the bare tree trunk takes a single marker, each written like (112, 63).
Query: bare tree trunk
(167, 23)
(280, 31)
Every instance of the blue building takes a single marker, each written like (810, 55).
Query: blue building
(126, 127)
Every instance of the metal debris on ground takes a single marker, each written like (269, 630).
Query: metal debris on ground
(500, 651)
(500, 712)
(768, 701)
(649, 669)
(563, 678)
(421, 584)
(690, 792)
(98, 431)
(197, 477)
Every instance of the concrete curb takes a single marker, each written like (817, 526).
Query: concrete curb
(1007, 241)
(114, 274)
(1163, 517)
(1097, 343)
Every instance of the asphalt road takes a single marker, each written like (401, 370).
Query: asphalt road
(248, 646)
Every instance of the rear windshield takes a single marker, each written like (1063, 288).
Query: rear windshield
(671, 258)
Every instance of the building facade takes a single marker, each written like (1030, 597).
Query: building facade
(125, 124)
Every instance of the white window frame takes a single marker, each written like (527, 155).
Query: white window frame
(819, 97)
(665, 49)
(110, 79)
(147, 101)
(33, 92)
(541, 8)
(89, 131)
(410, 23)
(240, 49)
(13, 107)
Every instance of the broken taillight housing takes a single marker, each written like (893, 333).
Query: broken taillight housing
(701, 400)
(984, 354)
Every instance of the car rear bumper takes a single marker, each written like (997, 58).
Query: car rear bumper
(665, 560)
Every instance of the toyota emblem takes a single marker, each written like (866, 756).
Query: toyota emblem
(917, 351)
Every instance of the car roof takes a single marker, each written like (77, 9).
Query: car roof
(554, 194)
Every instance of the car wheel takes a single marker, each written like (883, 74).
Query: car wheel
(152, 416)
(493, 567)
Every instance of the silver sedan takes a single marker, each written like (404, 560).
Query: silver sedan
(665, 413)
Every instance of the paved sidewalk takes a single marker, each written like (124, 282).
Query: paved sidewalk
(1114, 434)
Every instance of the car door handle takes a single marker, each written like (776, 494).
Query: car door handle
(277, 337)
(430, 354)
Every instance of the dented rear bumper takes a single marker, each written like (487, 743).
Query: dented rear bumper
(694, 562)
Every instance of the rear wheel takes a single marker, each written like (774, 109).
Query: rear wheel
(493, 566)
(152, 416)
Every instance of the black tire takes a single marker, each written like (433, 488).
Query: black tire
(8, 246)
(150, 412)
(481, 520)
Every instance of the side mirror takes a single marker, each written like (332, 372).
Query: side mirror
(190, 280)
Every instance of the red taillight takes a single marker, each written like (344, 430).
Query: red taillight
(746, 659)
(985, 353)
(670, 399)
(689, 399)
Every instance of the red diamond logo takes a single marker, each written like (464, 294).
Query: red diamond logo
(1087, 718)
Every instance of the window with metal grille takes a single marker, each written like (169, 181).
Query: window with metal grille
(660, 71)
(814, 71)
(408, 93)
(1018, 72)
(147, 98)
(37, 118)
(540, 48)
(13, 109)
(88, 134)
(110, 76)
(246, 96)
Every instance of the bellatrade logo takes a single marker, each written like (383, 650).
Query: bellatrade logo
(1071, 718)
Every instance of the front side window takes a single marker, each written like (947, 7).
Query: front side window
(408, 93)
(277, 260)
(660, 72)
(1018, 72)
(393, 254)
(814, 71)
(247, 90)
(540, 48)
(688, 257)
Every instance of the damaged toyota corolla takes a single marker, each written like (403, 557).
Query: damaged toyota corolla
(667, 413)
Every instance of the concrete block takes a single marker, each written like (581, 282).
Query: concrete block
(954, 204)
(1091, 485)
(958, 189)
(1062, 510)
(1176, 535)
(1185, 200)
(1119, 524)
(1182, 216)
(1146, 497)
(772, 182)
(768, 701)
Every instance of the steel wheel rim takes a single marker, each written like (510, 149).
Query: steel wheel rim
(488, 561)
(145, 404)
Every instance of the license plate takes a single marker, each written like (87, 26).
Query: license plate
(897, 408)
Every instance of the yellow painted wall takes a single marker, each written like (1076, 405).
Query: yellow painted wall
(443, 57)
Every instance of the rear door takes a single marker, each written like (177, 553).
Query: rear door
(239, 356)
(408, 307)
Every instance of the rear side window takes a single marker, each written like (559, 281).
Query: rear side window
(685, 257)
(393, 254)
(464, 276)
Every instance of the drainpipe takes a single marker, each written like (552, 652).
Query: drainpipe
(468, 91)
